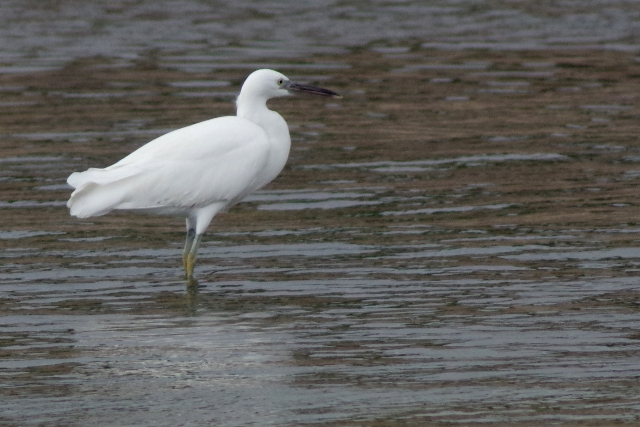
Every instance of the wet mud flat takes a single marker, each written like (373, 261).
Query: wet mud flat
(454, 242)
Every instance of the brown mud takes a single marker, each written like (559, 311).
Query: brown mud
(454, 241)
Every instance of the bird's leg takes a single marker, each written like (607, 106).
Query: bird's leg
(191, 257)
(197, 223)
(191, 235)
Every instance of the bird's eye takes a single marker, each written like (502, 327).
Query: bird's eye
(280, 82)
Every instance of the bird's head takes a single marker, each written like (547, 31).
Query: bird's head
(266, 84)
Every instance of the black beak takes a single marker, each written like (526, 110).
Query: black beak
(313, 90)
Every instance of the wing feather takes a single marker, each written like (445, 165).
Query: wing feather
(219, 160)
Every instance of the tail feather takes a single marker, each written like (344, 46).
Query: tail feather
(97, 191)
(100, 176)
(94, 200)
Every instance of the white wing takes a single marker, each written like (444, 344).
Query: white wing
(216, 161)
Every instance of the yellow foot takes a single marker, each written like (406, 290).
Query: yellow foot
(192, 282)
(189, 266)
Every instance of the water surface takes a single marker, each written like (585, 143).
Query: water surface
(455, 241)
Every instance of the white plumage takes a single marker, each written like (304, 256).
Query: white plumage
(197, 171)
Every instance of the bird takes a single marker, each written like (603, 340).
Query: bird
(198, 171)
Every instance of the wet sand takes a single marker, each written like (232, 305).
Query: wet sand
(455, 241)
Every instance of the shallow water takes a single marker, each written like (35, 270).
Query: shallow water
(455, 241)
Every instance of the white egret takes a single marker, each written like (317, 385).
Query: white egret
(199, 170)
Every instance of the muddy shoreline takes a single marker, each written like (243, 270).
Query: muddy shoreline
(456, 240)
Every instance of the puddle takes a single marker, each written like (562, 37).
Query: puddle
(453, 242)
(22, 234)
(452, 209)
(469, 160)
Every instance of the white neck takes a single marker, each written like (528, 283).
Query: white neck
(256, 111)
